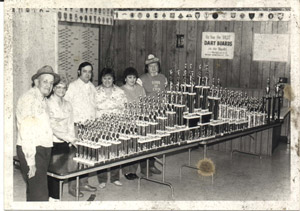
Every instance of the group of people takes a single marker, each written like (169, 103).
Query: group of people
(47, 112)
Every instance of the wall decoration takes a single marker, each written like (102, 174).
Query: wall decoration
(224, 14)
(77, 44)
(271, 47)
(217, 45)
(100, 16)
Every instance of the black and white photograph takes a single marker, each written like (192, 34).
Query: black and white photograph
(114, 105)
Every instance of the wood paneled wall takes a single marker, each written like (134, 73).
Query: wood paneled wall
(128, 43)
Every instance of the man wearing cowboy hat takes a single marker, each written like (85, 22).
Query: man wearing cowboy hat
(153, 82)
(35, 136)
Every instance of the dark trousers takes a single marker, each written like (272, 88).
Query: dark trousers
(144, 164)
(114, 175)
(36, 186)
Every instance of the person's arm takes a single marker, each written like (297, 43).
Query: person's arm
(69, 93)
(121, 99)
(71, 126)
(27, 124)
(143, 92)
(166, 82)
(64, 136)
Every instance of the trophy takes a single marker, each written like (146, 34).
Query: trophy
(268, 101)
(191, 95)
(198, 89)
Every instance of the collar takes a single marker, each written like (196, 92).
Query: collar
(81, 83)
(53, 99)
(102, 88)
(151, 75)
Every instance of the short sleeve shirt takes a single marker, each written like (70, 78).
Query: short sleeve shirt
(153, 84)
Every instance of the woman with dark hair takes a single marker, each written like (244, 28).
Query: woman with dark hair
(153, 81)
(132, 91)
(109, 99)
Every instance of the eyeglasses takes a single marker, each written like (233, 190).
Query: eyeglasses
(61, 87)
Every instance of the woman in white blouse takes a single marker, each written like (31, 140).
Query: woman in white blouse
(109, 99)
(62, 124)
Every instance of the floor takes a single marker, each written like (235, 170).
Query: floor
(244, 177)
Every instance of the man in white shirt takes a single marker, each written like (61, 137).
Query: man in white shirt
(81, 94)
(35, 136)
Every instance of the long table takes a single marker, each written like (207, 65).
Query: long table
(60, 173)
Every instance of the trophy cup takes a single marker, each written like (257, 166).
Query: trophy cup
(198, 89)
(268, 101)
(191, 95)
(205, 89)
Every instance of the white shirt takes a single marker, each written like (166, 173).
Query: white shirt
(61, 118)
(110, 104)
(33, 124)
(81, 95)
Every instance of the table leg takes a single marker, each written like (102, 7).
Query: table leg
(60, 189)
(162, 182)
(77, 188)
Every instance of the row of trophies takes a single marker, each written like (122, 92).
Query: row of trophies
(187, 112)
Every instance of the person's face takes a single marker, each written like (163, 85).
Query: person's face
(60, 90)
(45, 83)
(86, 74)
(107, 80)
(130, 80)
(153, 69)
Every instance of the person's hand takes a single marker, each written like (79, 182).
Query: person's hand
(72, 141)
(139, 82)
(31, 172)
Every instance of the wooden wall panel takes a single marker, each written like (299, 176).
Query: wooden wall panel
(228, 81)
(164, 65)
(266, 28)
(200, 27)
(170, 47)
(210, 62)
(235, 72)
(131, 37)
(121, 41)
(282, 28)
(136, 39)
(220, 65)
(246, 54)
(149, 38)
(191, 44)
(140, 47)
(181, 28)
(253, 141)
(254, 76)
(157, 39)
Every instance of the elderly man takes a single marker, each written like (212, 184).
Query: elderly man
(35, 136)
(81, 94)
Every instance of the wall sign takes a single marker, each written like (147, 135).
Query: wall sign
(217, 45)
(179, 41)
(271, 47)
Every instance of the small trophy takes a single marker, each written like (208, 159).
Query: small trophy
(199, 75)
